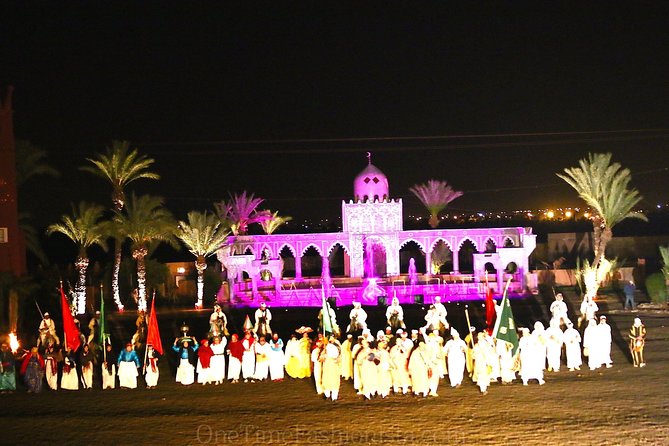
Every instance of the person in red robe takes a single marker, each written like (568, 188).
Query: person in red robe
(235, 351)
(204, 355)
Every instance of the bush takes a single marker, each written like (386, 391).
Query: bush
(656, 288)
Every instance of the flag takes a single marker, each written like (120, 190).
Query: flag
(153, 334)
(490, 313)
(103, 325)
(70, 330)
(505, 326)
(325, 315)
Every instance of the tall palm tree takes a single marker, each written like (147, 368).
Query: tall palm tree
(435, 196)
(120, 166)
(274, 222)
(603, 186)
(240, 211)
(202, 234)
(85, 228)
(145, 221)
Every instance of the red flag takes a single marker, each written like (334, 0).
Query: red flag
(153, 334)
(72, 340)
(490, 313)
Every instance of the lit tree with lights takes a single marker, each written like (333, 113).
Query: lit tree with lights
(145, 222)
(120, 166)
(603, 186)
(85, 228)
(274, 222)
(202, 234)
(240, 211)
(435, 196)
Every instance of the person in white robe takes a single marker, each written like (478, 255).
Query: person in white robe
(86, 363)
(572, 342)
(493, 358)
(263, 317)
(70, 378)
(127, 364)
(355, 351)
(217, 362)
(263, 355)
(152, 372)
(331, 378)
(346, 358)
(591, 347)
(554, 341)
(367, 364)
(358, 317)
(481, 355)
(395, 315)
(558, 310)
(529, 349)
(109, 359)
(385, 379)
(399, 361)
(539, 334)
(588, 310)
(51, 359)
(277, 358)
(317, 367)
(441, 311)
(604, 341)
(419, 369)
(455, 350)
(248, 357)
(203, 367)
(47, 329)
(504, 352)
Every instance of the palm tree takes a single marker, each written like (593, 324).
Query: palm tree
(203, 234)
(274, 222)
(603, 186)
(85, 229)
(120, 166)
(240, 212)
(144, 222)
(435, 196)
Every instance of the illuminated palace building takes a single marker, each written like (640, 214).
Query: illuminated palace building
(374, 259)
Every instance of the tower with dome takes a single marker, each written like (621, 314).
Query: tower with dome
(371, 239)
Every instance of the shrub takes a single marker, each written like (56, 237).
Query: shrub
(656, 288)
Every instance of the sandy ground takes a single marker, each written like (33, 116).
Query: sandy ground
(622, 405)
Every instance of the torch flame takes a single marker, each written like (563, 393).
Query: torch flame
(13, 342)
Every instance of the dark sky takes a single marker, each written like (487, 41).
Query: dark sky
(281, 101)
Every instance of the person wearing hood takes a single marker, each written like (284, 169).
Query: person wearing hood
(128, 363)
(152, 372)
(235, 354)
(109, 368)
(203, 369)
(455, 350)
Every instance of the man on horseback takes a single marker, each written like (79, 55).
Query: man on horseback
(47, 331)
(263, 318)
(218, 323)
(395, 315)
(358, 318)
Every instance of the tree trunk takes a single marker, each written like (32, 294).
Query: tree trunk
(433, 221)
(139, 255)
(200, 266)
(115, 274)
(80, 288)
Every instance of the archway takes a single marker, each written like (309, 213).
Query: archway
(337, 262)
(288, 262)
(312, 262)
(490, 246)
(466, 256)
(441, 258)
(411, 250)
(374, 258)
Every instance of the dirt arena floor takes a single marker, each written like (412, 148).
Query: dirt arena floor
(622, 405)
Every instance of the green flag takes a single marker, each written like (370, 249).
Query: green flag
(103, 326)
(505, 325)
(325, 312)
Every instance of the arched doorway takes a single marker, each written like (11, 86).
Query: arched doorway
(337, 262)
(288, 262)
(312, 262)
(411, 250)
(466, 257)
(441, 258)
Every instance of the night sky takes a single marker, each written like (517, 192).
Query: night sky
(285, 102)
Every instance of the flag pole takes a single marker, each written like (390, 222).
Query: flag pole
(64, 334)
(469, 324)
(146, 346)
(102, 323)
